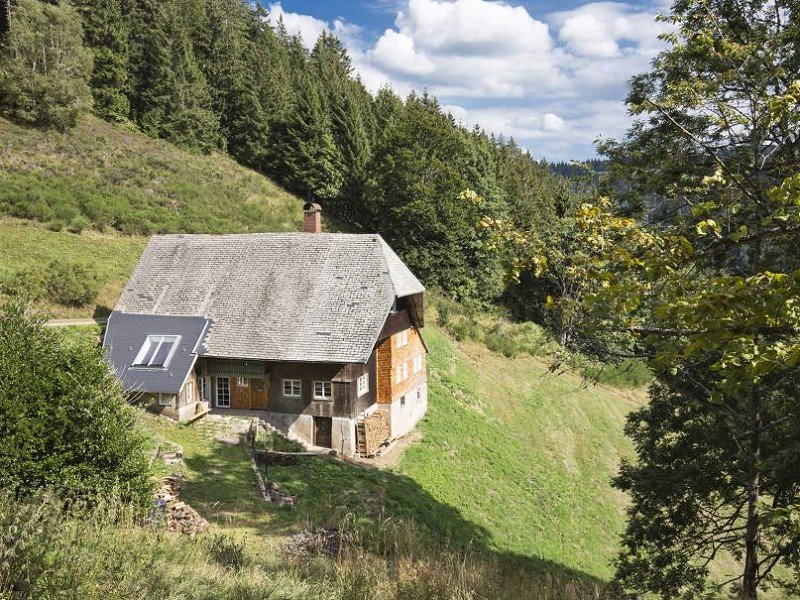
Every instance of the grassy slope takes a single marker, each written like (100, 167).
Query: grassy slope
(122, 180)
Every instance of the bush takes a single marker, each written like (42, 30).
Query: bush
(228, 552)
(30, 285)
(44, 67)
(71, 284)
(64, 421)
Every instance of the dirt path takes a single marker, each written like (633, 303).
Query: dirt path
(74, 322)
(391, 457)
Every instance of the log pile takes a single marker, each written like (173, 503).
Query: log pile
(378, 430)
(180, 517)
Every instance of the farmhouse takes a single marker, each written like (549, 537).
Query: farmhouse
(316, 333)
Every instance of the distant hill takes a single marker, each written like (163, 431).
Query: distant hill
(573, 169)
(108, 177)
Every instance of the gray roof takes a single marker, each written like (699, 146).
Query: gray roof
(319, 297)
(125, 334)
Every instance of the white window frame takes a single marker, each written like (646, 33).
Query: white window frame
(227, 403)
(161, 399)
(242, 382)
(362, 385)
(323, 395)
(417, 364)
(401, 373)
(402, 338)
(190, 391)
(149, 341)
(202, 388)
(292, 393)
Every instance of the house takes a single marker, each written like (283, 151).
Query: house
(316, 333)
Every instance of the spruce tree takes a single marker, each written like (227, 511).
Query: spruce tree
(170, 96)
(105, 33)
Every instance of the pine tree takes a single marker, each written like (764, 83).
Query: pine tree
(309, 152)
(227, 51)
(170, 97)
(105, 33)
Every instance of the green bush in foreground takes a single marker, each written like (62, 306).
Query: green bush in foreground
(64, 422)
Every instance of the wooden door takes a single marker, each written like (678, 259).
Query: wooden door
(258, 394)
(323, 429)
(240, 393)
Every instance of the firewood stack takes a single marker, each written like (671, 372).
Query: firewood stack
(180, 517)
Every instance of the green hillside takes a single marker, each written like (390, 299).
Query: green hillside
(111, 178)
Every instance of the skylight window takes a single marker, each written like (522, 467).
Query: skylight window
(156, 351)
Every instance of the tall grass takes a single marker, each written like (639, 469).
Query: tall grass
(491, 327)
(49, 550)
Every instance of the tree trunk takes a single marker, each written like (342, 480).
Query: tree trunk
(752, 532)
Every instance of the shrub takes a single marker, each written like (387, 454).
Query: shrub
(30, 285)
(44, 67)
(71, 284)
(78, 224)
(64, 421)
(228, 552)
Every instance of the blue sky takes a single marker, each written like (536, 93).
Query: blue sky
(551, 74)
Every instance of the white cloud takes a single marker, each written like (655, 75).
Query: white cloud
(587, 35)
(553, 81)
(310, 28)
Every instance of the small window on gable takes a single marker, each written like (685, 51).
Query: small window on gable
(401, 373)
(156, 351)
(402, 338)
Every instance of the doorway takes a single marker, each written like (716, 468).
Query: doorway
(323, 429)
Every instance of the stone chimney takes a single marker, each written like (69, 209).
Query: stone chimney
(312, 217)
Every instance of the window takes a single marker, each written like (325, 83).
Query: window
(402, 338)
(156, 351)
(418, 363)
(419, 394)
(165, 399)
(362, 384)
(242, 382)
(292, 388)
(402, 400)
(323, 390)
(401, 373)
(189, 394)
(203, 389)
(223, 392)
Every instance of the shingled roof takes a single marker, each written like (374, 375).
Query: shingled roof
(320, 297)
